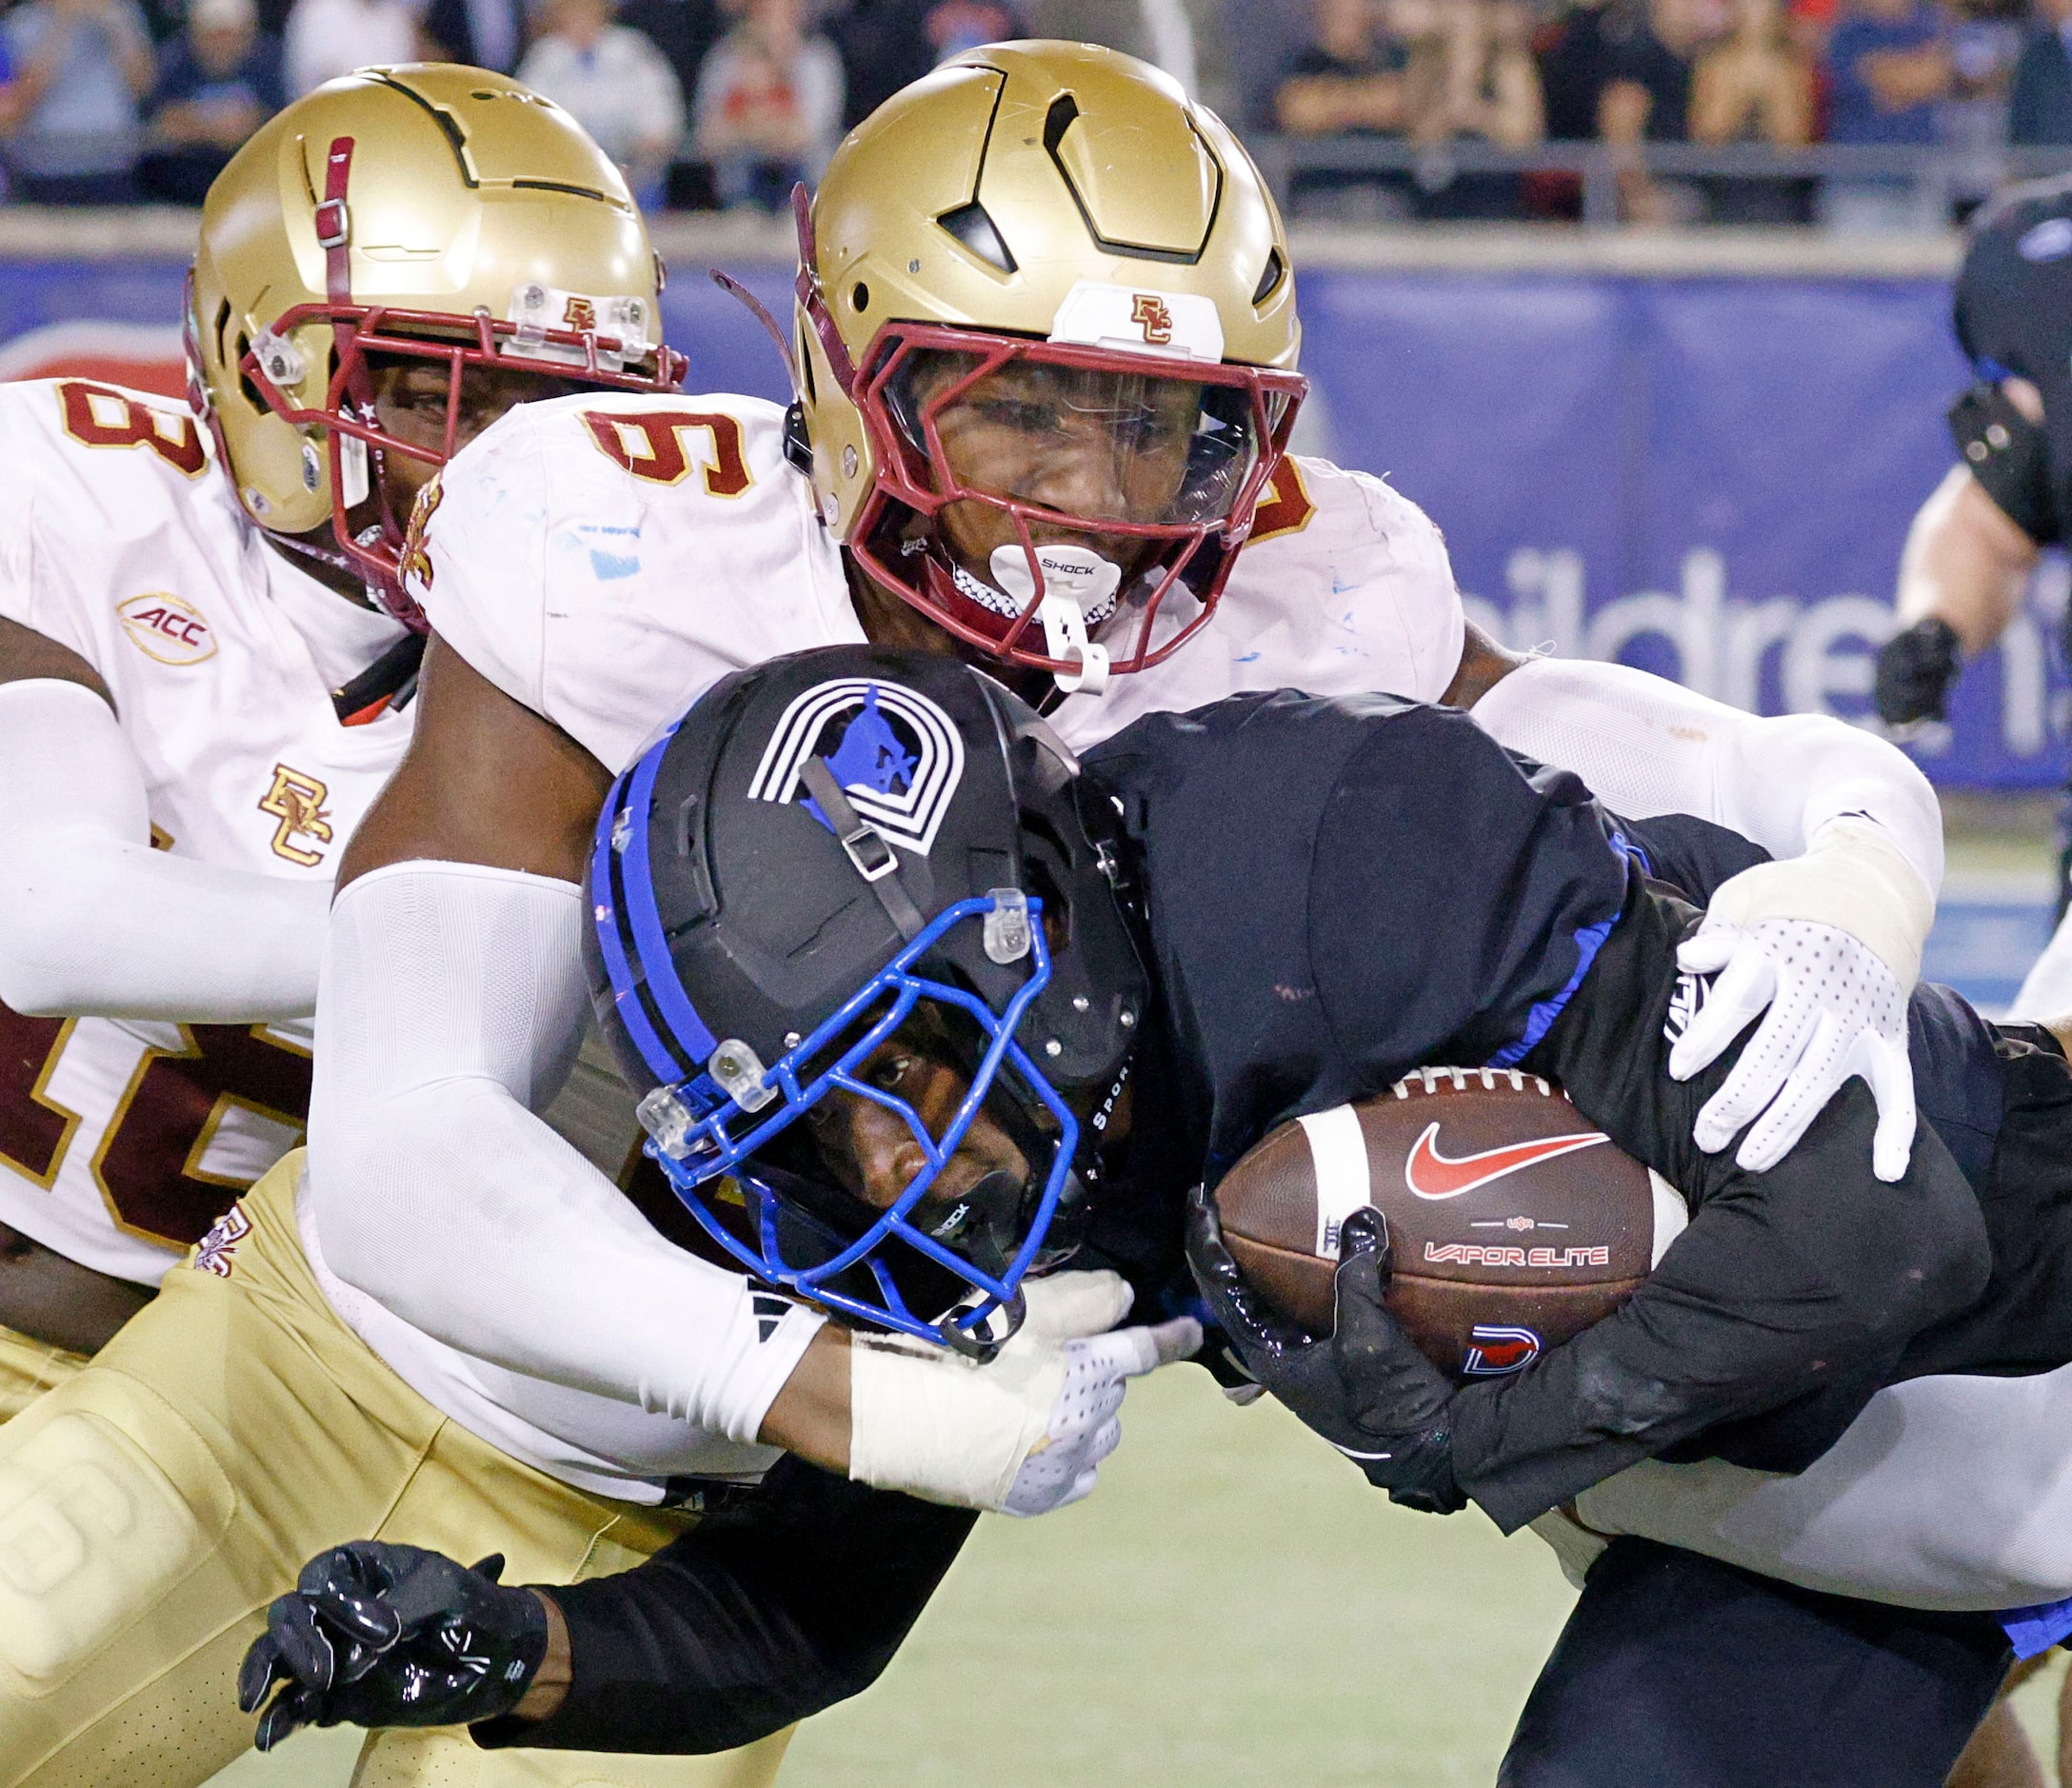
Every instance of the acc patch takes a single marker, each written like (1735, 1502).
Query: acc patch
(898, 757)
(167, 628)
(1495, 1350)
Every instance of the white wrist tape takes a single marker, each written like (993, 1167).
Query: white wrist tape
(1852, 878)
(943, 1428)
(948, 1429)
(87, 905)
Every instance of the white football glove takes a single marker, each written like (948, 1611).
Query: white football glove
(1825, 948)
(1024, 1432)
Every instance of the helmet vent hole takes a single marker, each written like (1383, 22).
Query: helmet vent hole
(1058, 120)
(859, 297)
(223, 324)
(1270, 281)
(243, 378)
(976, 230)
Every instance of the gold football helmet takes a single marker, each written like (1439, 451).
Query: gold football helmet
(1046, 344)
(425, 211)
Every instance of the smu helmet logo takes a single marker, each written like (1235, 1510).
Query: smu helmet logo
(1495, 1350)
(898, 757)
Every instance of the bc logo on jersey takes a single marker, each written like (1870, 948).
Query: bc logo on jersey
(297, 802)
(898, 757)
(217, 1251)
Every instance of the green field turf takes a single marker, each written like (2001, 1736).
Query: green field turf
(1233, 1605)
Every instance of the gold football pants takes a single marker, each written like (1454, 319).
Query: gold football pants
(29, 1368)
(152, 1504)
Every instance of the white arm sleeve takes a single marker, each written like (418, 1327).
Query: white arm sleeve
(452, 1003)
(86, 905)
(1647, 746)
(1951, 1492)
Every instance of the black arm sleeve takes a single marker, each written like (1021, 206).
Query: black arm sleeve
(1804, 1282)
(758, 1616)
(2009, 455)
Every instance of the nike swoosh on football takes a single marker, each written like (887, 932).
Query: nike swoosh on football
(1432, 1175)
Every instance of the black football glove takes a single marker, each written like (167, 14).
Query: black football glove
(1915, 671)
(1366, 1388)
(392, 1636)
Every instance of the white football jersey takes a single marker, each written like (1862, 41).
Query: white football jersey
(603, 560)
(120, 537)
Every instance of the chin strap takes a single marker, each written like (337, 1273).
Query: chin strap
(334, 236)
(806, 287)
(872, 857)
(388, 683)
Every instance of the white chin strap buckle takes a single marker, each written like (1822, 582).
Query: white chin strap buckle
(1077, 582)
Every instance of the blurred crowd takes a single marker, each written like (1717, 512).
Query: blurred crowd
(726, 103)
(705, 102)
(1962, 74)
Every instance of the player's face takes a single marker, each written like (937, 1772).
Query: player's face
(872, 1152)
(1100, 444)
(411, 403)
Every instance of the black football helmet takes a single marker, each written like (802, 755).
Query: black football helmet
(834, 859)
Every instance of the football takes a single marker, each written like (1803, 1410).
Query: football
(1515, 1221)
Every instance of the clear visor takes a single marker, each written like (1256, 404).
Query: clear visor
(1141, 448)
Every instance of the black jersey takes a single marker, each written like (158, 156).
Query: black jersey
(2014, 319)
(1341, 891)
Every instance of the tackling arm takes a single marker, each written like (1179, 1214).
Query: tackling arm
(87, 905)
(1797, 1286)
(1856, 835)
(1946, 1492)
(453, 997)
(1647, 746)
(762, 1615)
(758, 1616)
